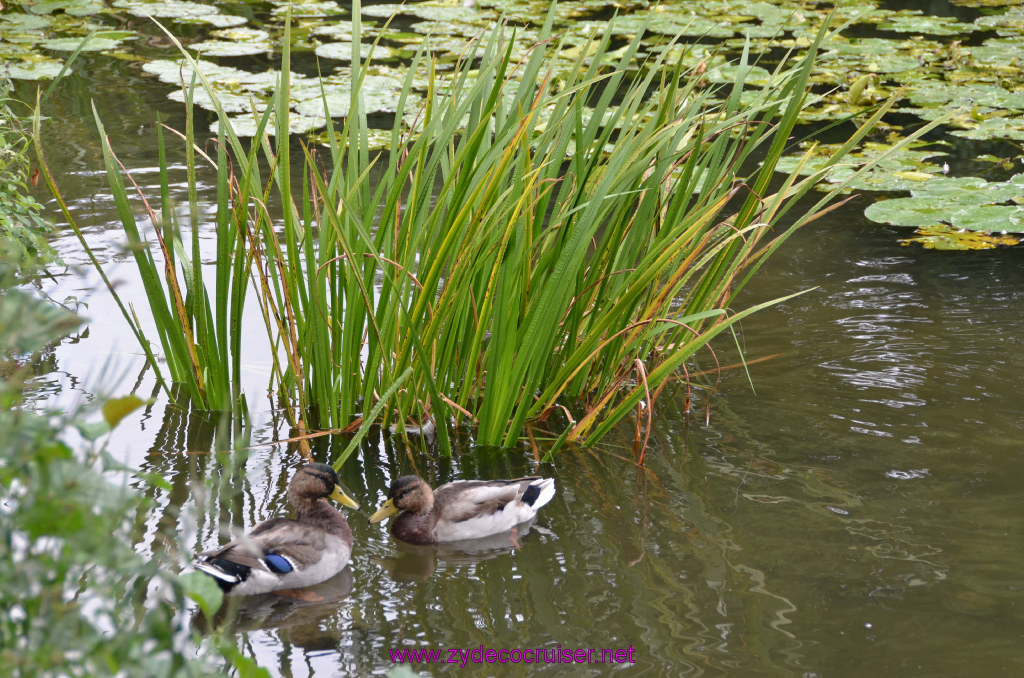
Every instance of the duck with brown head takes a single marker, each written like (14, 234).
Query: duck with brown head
(285, 553)
(464, 509)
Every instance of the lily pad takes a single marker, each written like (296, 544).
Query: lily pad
(178, 71)
(994, 128)
(69, 7)
(432, 11)
(245, 124)
(16, 22)
(94, 44)
(902, 172)
(932, 93)
(36, 69)
(943, 237)
(230, 102)
(966, 203)
(230, 48)
(918, 23)
(1010, 22)
(907, 212)
(307, 9)
(181, 11)
(380, 94)
(343, 51)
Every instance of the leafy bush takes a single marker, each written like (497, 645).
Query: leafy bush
(77, 600)
(23, 230)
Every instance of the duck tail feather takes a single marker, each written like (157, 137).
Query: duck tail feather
(227, 574)
(539, 492)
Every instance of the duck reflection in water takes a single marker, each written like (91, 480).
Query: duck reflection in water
(267, 611)
(419, 562)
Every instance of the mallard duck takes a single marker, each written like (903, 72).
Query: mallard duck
(464, 509)
(282, 553)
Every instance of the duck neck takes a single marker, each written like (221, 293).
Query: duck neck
(319, 513)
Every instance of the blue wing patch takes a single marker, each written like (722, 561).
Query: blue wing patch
(278, 564)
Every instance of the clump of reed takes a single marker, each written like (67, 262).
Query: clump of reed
(545, 237)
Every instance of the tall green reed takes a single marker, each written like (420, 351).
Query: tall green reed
(547, 236)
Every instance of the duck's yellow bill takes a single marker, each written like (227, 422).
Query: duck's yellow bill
(339, 496)
(388, 509)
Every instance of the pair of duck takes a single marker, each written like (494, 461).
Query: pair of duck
(285, 553)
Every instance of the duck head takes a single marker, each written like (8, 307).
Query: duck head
(318, 481)
(410, 494)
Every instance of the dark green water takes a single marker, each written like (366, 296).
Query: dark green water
(859, 515)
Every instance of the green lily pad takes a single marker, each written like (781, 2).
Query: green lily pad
(432, 11)
(991, 218)
(307, 9)
(69, 7)
(241, 34)
(380, 94)
(16, 22)
(918, 23)
(36, 69)
(971, 190)
(343, 51)
(907, 212)
(878, 55)
(230, 48)
(984, 3)
(340, 31)
(931, 93)
(245, 124)
(752, 75)
(94, 44)
(1002, 54)
(180, 11)
(966, 203)
(1010, 22)
(178, 71)
(230, 102)
(994, 128)
(902, 172)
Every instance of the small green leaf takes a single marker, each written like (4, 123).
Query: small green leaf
(204, 591)
(116, 409)
(154, 479)
(92, 431)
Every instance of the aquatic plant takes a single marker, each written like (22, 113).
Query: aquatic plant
(23, 230)
(539, 241)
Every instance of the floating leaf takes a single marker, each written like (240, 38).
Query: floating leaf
(994, 128)
(36, 69)
(307, 9)
(230, 48)
(943, 237)
(343, 51)
(181, 11)
(906, 212)
(898, 173)
(69, 7)
(94, 44)
(964, 203)
(916, 22)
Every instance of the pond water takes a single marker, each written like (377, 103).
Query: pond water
(859, 514)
